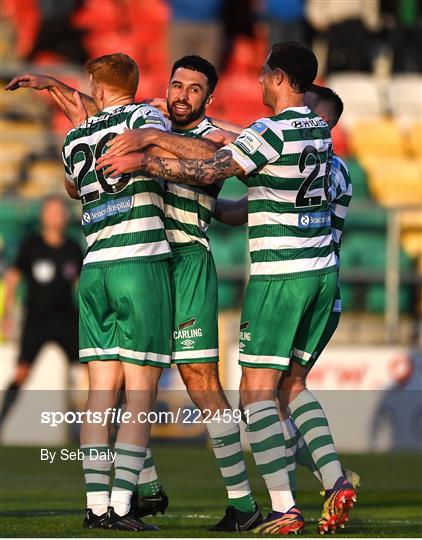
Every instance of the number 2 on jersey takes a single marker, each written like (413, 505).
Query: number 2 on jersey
(303, 200)
(89, 158)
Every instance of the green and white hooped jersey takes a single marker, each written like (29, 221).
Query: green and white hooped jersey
(287, 160)
(123, 217)
(189, 209)
(339, 196)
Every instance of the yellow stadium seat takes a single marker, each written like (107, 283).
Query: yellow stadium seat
(377, 138)
(14, 151)
(394, 181)
(9, 174)
(47, 174)
(415, 139)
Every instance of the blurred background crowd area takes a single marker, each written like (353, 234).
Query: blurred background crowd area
(368, 51)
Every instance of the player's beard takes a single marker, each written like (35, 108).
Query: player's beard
(182, 120)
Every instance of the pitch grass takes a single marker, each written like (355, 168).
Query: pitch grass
(42, 500)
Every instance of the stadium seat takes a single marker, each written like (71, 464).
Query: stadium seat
(405, 94)
(380, 137)
(361, 95)
(359, 179)
(9, 175)
(44, 176)
(411, 234)
(31, 133)
(414, 136)
(394, 181)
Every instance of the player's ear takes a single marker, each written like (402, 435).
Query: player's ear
(210, 99)
(279, 76)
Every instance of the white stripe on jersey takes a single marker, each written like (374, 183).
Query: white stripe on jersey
(288, 242)
(338, 210)
(261, 193)
(184, 216)
(190, 194)
(148, 249)
(129, 226)
(175, 236)
(293, 266)
(274, 218)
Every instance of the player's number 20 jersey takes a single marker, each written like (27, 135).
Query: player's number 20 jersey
(122, 217)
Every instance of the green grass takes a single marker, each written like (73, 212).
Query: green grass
(42, 500)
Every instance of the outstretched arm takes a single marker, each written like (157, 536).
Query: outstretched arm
(135, 140)
(231, 212)
(194, 172)
(227, 126)
(54, 86)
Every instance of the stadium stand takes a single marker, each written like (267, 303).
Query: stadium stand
(379, 136)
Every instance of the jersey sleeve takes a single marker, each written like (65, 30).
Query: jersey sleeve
(67, 170)
(340, 195)
(146, 116)
(255, 147)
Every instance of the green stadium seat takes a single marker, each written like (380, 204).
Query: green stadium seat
(359, 179)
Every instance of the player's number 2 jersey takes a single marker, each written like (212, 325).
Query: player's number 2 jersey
(287, 159)
(122, 217)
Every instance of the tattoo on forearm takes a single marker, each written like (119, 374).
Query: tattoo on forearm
(192, 171)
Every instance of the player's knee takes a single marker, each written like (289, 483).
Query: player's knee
(200, 377)
(292, 386)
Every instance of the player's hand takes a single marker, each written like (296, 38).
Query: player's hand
(131, 140)
(30, 80)
(160, 104)
(73, 109)
(221, 136)
(116, 165)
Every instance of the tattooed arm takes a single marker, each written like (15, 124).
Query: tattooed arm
(194, 172)
(138, 139)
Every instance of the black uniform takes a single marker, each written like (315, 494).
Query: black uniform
(50, 311)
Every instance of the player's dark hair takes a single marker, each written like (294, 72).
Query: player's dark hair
(323, 93)
(196, 63)
(297, 61)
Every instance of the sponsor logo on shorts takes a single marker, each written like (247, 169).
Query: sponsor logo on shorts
(317, 219)
(103, 211)
(186, 333)
(241, 346)
(186, 324)
(244, 336)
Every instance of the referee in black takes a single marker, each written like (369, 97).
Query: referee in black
(49, 263)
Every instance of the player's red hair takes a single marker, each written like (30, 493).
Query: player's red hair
(116, 70)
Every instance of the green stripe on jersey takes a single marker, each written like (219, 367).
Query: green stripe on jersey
(339, 194)
(287, 157)
(121, 217)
